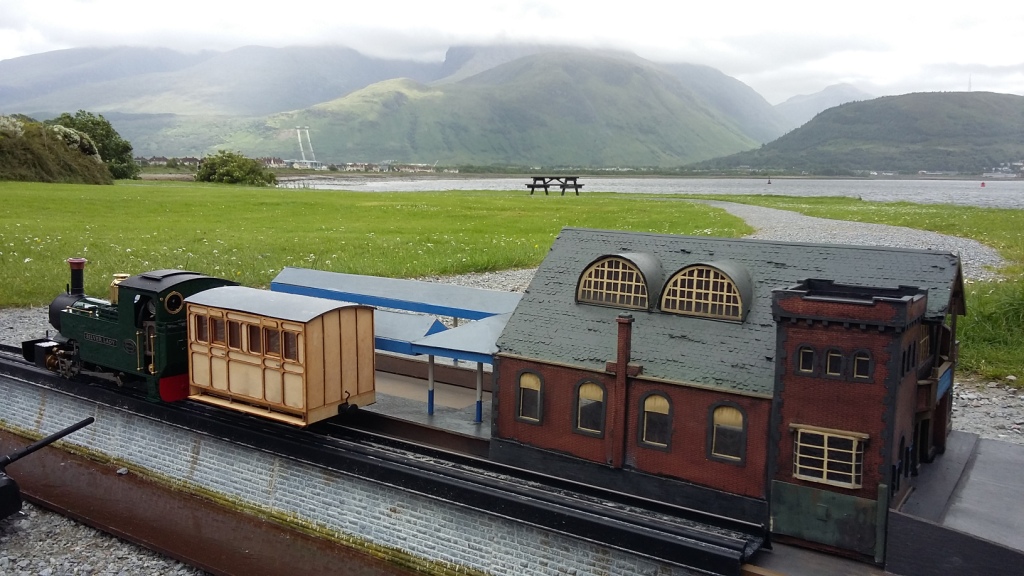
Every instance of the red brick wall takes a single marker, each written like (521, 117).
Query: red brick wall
(686, 458)
(687, 455)
(884, 312)
(841, 404)
(556, 430)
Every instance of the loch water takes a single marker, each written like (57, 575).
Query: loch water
(996, 193)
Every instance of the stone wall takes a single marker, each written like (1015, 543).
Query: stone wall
(349, 509)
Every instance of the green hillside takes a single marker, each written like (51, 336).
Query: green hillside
(935, 131)
(555, 108)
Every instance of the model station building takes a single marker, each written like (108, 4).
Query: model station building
(799, 386)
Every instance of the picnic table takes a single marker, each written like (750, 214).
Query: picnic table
(563, 182)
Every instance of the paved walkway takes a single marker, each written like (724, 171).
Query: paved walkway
(979, 260)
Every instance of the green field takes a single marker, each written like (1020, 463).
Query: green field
(250, 234)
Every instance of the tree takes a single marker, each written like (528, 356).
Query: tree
(115, 151)
(233, 168)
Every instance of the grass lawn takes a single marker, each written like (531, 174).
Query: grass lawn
(250, 234)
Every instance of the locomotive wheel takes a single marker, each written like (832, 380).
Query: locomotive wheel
(69, 364)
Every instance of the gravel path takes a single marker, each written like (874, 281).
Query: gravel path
(46, 544)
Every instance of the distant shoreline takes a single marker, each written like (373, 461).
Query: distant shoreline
(188, 176)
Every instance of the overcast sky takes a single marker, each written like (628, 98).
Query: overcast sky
(780, 48)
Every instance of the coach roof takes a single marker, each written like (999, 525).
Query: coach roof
(279, 305)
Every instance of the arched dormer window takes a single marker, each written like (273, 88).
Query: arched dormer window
(613, 281)
(702, 291)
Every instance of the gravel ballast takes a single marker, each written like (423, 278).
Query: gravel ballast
(39, 542)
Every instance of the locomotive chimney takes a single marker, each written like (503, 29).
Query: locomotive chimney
(77, 287)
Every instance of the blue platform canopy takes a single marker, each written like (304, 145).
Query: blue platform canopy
(412, 295)
(420, 333)
(475, 341)
(395, 331)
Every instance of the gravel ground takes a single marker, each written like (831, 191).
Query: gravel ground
(42, 543)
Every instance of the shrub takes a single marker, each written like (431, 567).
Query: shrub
(233, 168)
(115, 151)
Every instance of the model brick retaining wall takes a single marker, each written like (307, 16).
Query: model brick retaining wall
(341, 507)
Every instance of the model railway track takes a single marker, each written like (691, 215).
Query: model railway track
(662, 532)
(667, 517)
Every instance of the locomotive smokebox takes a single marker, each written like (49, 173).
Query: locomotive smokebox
(76, 290)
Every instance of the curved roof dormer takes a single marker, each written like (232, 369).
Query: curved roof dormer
(623, 280)
(720, 290)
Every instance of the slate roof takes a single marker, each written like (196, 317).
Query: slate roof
(549, 326)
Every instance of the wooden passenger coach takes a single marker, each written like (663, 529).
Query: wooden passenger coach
(291, 358)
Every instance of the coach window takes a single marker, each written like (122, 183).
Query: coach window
(234, 335)
(805, 360)
(218, 330)
(590, 408)
(861, 366)
(202, 326)
(255, 339)
(291, 346)
(833, 363)
(272, 341)
(728, 433)
(656, 421)
(530, 395)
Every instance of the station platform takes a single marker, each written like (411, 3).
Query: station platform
(405, 398)
(975, 488)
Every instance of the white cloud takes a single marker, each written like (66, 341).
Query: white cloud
(780, 49)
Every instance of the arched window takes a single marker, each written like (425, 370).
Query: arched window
(656, 421)
(862, 365)
(590, 408)
(613, 281)
(805, 360)
(728, 433)
(702, 291)
(833, 363)
(529, 398)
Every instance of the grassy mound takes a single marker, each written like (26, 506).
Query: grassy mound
(32, 152)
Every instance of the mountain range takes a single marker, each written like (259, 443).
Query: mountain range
(928, 131)
(505, 105)
(511, 104)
